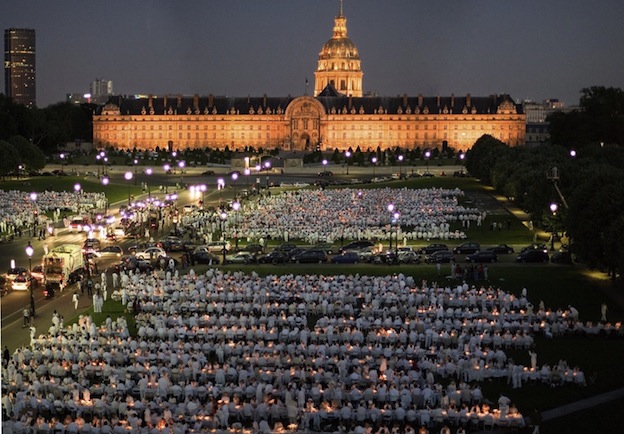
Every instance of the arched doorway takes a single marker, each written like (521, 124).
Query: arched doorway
(304, 142)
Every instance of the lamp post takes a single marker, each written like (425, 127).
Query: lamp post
(203, 189)
(324, 162)
(347, 155)
(427, 156)
(77, 189)
(223, 217)
(181, 165)
(220, 187)
(29, 252)
(374, 160)
(148, 172)
(135, 170)
(247, 172)
(235, 178)
(400, 158)
(390, 209)
(128, 176)
(166, 168)
(396, 216)
(236, 206)
(553, 209)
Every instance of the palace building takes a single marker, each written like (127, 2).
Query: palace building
(338, 116)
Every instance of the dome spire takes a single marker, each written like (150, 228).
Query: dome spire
(340, 12)
(340, 24)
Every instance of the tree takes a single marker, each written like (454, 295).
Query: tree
(29, 154)
(9, 158)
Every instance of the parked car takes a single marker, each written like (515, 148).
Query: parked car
(275, 257)
(356, 245)
(501, 249)
(310, 256)
(171, 244)
(326, 247)
(208, 172)
(440, 256)
(252, 248)
(561, 257)
(239, 258)
(467, 248)
(133, 263)
(110, 251)
(535, 246)
(326, 173)
(408, 257)
(37, 272)
(150, 253)
(533, 255)
(204, 257)
(286, 247)
(217, 246)
(350, 257)
(482, 256)
(432, 248)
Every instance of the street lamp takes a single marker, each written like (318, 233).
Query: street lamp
(236, 206)
(396, 216)
(135, 170)
(247, 172)
(128, 176)
(29, 252)
(374, 160)
(77, 189)
(390, 208)
(347, 156)
(166, 168)
(181, 165)
(427, 156)
(400, 158)
(223, 217)
(203, 189)
(553, 209)
(148, 172)
(235, 178)
(220, 187)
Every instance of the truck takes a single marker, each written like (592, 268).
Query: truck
(62, 266)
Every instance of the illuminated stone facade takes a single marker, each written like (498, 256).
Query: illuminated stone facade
(336, 117)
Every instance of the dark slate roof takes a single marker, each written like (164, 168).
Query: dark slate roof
(329, 98)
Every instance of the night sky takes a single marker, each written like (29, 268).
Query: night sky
(526, 48)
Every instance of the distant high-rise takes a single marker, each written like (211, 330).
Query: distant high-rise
(101, 87)
(19, 66)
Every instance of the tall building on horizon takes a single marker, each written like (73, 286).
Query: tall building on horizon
(20, 72)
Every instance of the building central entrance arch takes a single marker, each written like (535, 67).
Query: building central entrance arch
(305, 115)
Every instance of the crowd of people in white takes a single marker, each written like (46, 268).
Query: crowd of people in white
(20, 209)
(331, 215)
(230, 351)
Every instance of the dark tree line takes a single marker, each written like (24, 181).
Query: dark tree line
(48, 128)
(591, 181)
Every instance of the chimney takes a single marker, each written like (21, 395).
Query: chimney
(195, 101)
(165, 102)
(264, 100)
(210, 100)
(179, 100)
(438, 100)
(404, 100)
(420, 100)
(150, 100)
(468, 101)
(350, 101)
(452, 100)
